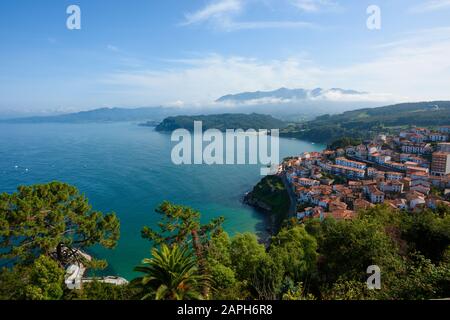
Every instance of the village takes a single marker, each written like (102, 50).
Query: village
(408, 171)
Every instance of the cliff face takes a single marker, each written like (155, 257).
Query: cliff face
(259, 204)
(270, 196)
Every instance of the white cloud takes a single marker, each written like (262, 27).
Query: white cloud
(235, 26)
(313, 5)
(328, 95)
(430, 5)
(222, 15)
(175, 104)
(412, 69)
(112, 48)
(416, 68)
(219, 9)
(424, 37)
(372, 97)
(202, 81)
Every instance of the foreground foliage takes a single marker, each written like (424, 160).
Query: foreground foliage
(189, 260)
(53, 220)
(171, 274)
(43, 280)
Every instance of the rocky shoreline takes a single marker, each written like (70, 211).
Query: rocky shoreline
(269, 229)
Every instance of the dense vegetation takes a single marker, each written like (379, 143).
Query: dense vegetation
(222, 122)
(52, 220)
(317, 260)
(364, 123)
(271, 196)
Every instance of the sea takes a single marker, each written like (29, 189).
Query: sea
(127, 169)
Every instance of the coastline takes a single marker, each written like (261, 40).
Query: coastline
(141, 161)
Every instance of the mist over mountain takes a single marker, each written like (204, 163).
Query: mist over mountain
(285, 104)
(288, 111)
(290, 95)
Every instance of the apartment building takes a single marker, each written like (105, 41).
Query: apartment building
(416, 148)
(351, 164)
(440, 164)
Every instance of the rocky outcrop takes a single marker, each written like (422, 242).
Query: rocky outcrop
(258, 204)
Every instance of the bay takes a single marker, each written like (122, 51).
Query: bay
(127, 169)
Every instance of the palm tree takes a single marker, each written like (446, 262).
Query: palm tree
(172, 274)
(181, 225)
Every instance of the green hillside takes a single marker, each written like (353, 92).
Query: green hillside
(222, 122)
(364, 123)
(270, 195)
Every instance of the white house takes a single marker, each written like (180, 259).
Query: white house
(394, 176)
(376, 196)
(308, 182)
(351, 164)
(415, 199)
(391, 186)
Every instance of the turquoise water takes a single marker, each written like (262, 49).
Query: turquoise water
(125, 168)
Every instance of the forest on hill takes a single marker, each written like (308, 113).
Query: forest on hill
(222, 122)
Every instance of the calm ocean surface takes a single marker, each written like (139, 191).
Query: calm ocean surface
(127, 169)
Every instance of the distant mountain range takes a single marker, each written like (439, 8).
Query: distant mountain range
(103, 115)
(285, 104)
(288, 95)
(328, 123)
(307, 110)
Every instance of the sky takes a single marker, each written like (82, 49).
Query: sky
(190, 52)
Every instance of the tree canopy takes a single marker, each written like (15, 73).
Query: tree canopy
(189, 260)
(51, 219)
